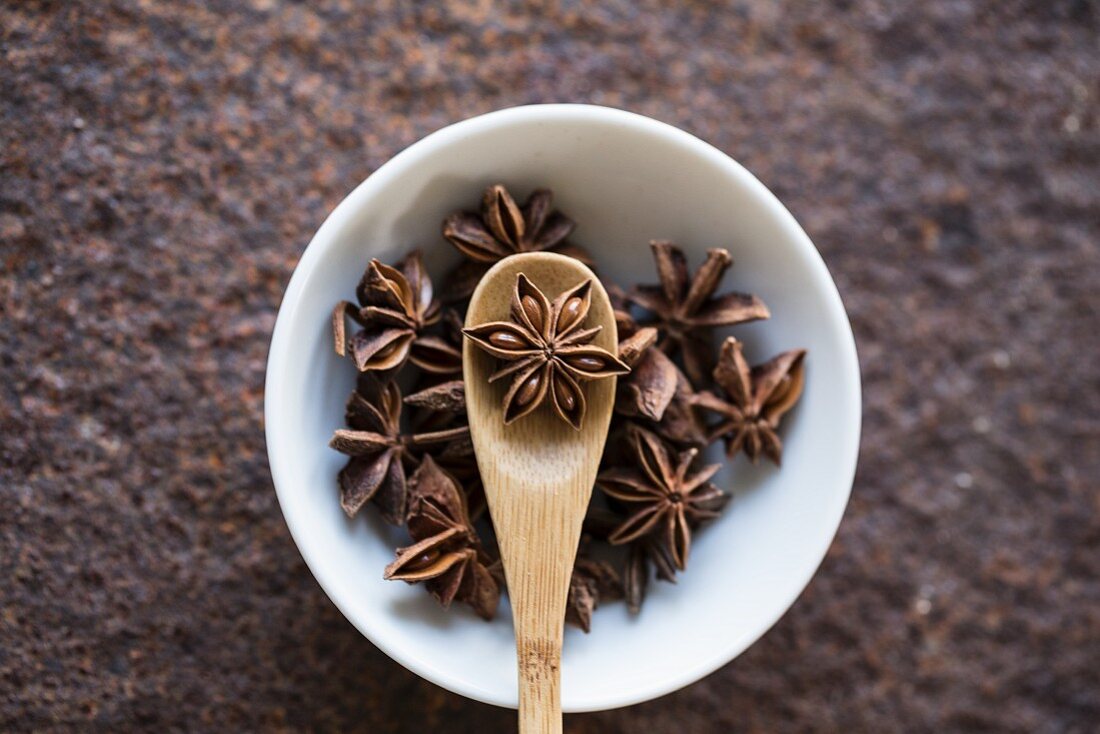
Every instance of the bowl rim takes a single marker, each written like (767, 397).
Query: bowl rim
(411, 156)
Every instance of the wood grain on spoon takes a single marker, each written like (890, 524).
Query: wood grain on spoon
(538, 474)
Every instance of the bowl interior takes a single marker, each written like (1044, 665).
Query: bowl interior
(625, 180)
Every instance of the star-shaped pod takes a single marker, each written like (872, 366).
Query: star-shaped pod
(379, 450)
(664, 492)
(547, 351)
(755, 401)
(686, 309)
(503, 228)
(395, 307)
(447, 555)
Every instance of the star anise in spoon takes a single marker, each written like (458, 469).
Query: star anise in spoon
(547, 350)
(447, 555)
(379, 450)
(666, 494)
(503, 228)
(756, 399)
(686, 309)
(395, 306)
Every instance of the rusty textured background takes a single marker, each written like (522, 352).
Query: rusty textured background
(162, 165)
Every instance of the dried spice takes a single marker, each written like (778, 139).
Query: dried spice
(682, 422)
(395, 306)
(503, 228)
(665, 492)
(445, 406)
(648, 388)
(756, 399)
(446, 397)
(592, 582)
(686, 308)
(655, 491)
(547, 350)
(651, 385)
(643, 553)
(656, 391)
(447, 555)
(379, 450)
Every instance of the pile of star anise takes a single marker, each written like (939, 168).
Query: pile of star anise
(411, 456)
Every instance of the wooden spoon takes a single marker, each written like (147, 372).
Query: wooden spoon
(538, 474)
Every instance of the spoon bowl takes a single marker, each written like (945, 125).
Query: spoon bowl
(538, 474)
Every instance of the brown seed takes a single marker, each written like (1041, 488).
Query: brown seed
(568, 401)
(565, 396)
(510, 216)
(529, 390)
(506, 340)
(588, 364)
(386, 350)
(534, 314)
(570, 312)
(422, 561)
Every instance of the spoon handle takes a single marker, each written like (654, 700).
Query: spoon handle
(538, 558)
(538, 475)
(539, 685)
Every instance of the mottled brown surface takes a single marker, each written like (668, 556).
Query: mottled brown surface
(162, 165)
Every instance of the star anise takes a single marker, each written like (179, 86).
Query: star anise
(441, 356)
(447, 555)
(657, 493)
(686, 309)
(447, 398)
(682, 423)
(503, 228)
(458, 459)
(547, 350)
(649, 388)
(592, 582)
(756, 399)
(379, 450)
(656, 391)
(642, 553)
(395, 306)
(666, 495)
(447, 402)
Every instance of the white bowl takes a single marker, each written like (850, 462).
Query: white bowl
(625, 179)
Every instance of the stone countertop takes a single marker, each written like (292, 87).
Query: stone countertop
(162, 166)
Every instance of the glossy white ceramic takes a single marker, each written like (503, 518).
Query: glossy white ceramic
(625, 179)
